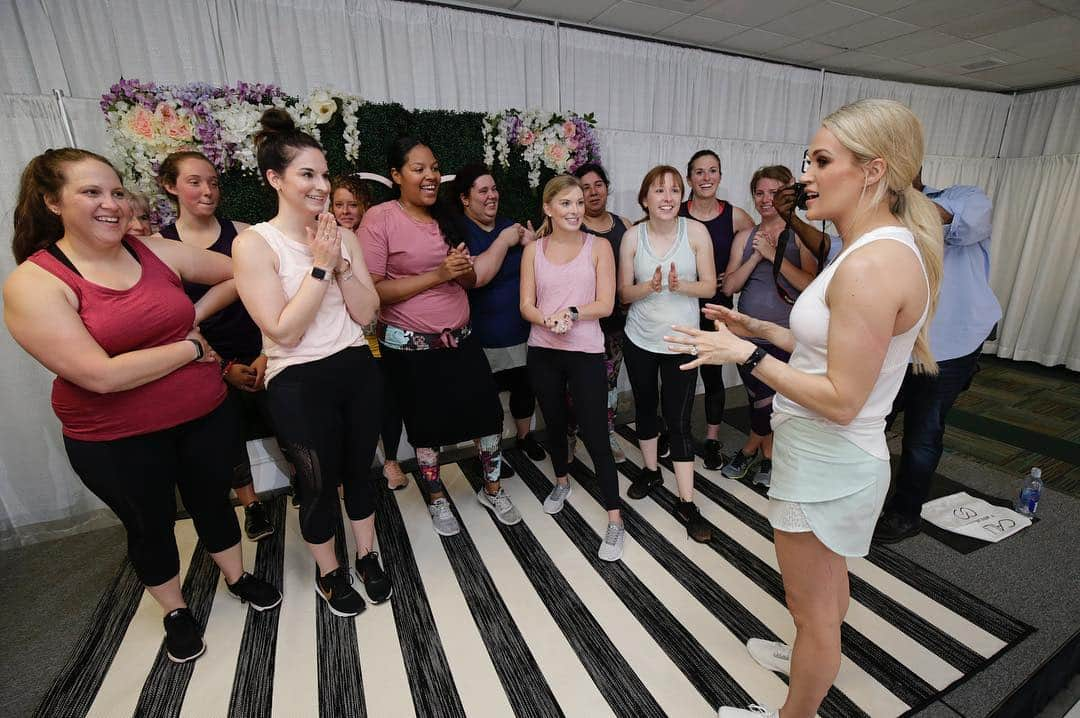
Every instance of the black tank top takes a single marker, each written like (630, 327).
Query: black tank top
(617, 320)
(722, 231)
(231, 332)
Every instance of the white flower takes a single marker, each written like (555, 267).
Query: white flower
(322, 106)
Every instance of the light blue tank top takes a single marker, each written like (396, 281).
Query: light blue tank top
(652, 317)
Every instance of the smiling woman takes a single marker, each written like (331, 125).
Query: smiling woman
(138, 392)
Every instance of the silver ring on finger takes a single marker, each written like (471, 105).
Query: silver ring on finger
(693, 350)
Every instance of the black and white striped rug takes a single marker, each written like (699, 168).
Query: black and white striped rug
(527, 621)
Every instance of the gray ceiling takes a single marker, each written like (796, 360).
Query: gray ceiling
(983, 44)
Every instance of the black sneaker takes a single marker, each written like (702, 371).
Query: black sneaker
(257, 593)
(644, 483)
(740, 466)
(663, 445)
(713, 458)
(505, 469)
(697, 528)
(531, 447)
(256, 525)
(336, 589)
(893, 527)
(376, 582)
(763, 477)
(183, 639)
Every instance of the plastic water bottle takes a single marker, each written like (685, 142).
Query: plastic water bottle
(1030, 493)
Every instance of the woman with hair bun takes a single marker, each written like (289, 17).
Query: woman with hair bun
(435, 367)
(304, 282)
(853, 330)
(138, 392)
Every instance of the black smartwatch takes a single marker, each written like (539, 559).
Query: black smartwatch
(752, 361)
(319, 273)
(199, 351)
(573, 313)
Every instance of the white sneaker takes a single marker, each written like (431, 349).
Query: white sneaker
(611, 549)
(442, 518)
(559, 493)
(754, 711)
(501, 505)
(770, 655)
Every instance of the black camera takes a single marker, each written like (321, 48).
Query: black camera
(800, 195)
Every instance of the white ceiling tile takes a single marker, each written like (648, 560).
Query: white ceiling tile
(1039, 39)
(807, 51)
(1069, 7)
(957, 52)
(877, 6)
(1069, 60)
(635, 17)
(1003, 57)
(580, 10)
(867, 32)
(689, 7)
(758, 41)
(1026, 74)
(754, 12)
(931, 13)
(892, 67)
(853, 60)
(906, 45)
(1015, 14)
(816, 19)
(700, 30)
(492, 3)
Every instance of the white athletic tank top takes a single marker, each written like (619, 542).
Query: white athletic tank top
(652, 317)
(810, 325)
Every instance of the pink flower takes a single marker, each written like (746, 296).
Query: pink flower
(527, 138)
(165, 113)
(572, 143)
(555, 152)
(569, 128)
(140, 122)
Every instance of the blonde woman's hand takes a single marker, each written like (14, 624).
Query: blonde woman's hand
(737, 323)
(718, 347)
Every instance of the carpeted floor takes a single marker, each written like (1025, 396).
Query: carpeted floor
(527, 622)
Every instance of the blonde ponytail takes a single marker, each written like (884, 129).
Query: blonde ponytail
(887, 129)
(920, 216)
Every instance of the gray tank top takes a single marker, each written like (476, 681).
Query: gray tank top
(759, 298)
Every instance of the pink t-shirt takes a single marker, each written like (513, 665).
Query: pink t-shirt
(396, 245)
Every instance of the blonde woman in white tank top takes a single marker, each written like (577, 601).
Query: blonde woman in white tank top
(852, 331)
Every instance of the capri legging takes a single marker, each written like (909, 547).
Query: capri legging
(328, 414)
(516, 381)
(761, 394)
(137, 477)
(676, 396)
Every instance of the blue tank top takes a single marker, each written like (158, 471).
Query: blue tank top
(722, 232)
(495, 316)
(231, 332)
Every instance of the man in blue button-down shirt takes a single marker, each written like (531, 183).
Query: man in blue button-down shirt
(967, 311)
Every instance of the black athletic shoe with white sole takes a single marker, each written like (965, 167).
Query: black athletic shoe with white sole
(183, 638)
(336, 589)
(376, 582)
(255, 592)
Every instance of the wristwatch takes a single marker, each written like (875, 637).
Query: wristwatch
(199, 351)
(574, 313)
(752, 361)
(319, 273)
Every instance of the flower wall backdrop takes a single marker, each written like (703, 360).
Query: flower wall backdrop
(146, 121)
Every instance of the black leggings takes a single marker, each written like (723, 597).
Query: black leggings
(712, 376)
(252, 412)
(676, 396)
(137, 477)
(327, 412)
(761, 394)
(391, 420)
(516, 381)
(552, 372)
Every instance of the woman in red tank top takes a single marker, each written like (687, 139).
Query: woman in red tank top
(138, 391)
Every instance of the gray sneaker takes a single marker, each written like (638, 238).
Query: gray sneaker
(616, 449)
(559, 493)
(501, 505)
(764, 473)
(612, 547)
(772, 655)
(442, 518)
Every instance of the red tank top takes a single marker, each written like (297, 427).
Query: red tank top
(152, 313)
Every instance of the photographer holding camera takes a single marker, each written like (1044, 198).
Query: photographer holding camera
(966, 316)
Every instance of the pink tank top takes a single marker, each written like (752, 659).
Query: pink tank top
(559, 286)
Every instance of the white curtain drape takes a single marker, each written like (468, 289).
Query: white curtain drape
(40, 496)
(654, 104)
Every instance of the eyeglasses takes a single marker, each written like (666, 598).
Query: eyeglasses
(805, 161)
